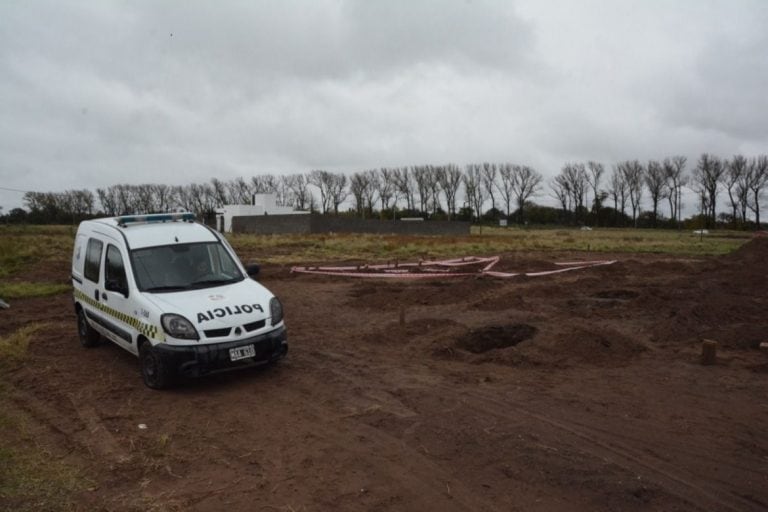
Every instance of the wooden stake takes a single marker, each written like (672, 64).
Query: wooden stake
(708, 352)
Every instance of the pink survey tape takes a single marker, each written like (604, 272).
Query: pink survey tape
(441, 268)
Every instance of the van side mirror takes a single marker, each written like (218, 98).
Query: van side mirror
(253, 270)
(113, 285)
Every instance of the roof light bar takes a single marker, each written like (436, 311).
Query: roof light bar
(156, 217)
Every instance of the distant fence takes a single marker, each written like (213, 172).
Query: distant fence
(306, 224)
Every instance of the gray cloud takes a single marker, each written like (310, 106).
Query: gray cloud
(95, 93)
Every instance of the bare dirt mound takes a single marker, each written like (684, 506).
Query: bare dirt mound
(720, 300)
(371, 294)
(753, 252)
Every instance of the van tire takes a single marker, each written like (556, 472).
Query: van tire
(154, 371)
(89, 337)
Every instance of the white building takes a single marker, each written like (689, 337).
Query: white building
(263, 204)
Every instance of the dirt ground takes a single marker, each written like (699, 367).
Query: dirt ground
(580, 391)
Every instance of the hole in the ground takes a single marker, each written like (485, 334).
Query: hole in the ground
(496, 336)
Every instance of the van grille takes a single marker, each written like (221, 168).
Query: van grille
(217, 333)
(255, 325)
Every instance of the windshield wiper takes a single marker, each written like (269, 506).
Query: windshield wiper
(205, 282)
(166, 288)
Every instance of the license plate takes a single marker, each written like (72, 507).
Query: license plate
(237, 353)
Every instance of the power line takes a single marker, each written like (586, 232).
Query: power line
(14, 190)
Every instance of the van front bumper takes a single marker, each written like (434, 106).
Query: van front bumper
(196, 360)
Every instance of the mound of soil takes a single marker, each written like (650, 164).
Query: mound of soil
(753, 252)
(496, 336)
(371, 294)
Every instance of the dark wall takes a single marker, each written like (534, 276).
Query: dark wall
(304, 224)
(272, 224)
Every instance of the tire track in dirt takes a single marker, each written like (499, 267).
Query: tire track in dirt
(602, 444)
(683, 483)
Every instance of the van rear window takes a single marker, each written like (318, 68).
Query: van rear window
(93, 260)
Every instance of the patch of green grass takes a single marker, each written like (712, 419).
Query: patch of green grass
(618, 240)
(23, 246)
(25, 289)
(14, 346)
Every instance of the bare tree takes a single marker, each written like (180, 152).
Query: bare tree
(526, 183)
(473, 189)
(706, 178)
(219, 192)
(507, 176)
(735, 172)
(370, 192)
(576, 176)
(758, 181)
(163, 197)
(183, 198)
(421, 177)
(449, 178)
(323, 180)
(632, 171)
(300, 196)
(618, 191)
(108, 200)
(144, 199)
(561, 191)
(596, 171)
(264, 184)
(655, 180)
(674, 171)
(404, 181)
(433, 186)
(489, 172)
(203, 198)
(387, 190)
(239, 191)
(338, 190)
(125, 198)
(358, 185)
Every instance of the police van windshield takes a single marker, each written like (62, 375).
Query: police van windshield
(172, 268)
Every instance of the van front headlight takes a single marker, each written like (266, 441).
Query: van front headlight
(276, 310)
(179, 327)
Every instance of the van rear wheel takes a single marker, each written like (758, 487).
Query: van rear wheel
(154, 371)
(87, 334)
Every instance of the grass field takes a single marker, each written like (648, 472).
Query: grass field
(316, 248)
(21, 247)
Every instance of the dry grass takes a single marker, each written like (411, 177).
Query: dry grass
(23, 246)
(26, 289)
(14, 346)
(286, 249)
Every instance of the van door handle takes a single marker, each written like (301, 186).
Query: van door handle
(96, 295)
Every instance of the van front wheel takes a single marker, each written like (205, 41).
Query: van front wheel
(87, 334)
(154, 371)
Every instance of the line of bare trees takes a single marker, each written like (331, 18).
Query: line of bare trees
(584, 191)
(426, 190)
(744, 180)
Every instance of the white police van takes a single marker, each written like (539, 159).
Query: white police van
(172, 291)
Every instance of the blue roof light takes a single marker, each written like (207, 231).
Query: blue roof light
(155, 217)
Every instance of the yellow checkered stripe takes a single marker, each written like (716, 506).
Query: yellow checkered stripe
(148, 330)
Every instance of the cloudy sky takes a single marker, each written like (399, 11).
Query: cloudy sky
(96, 93)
